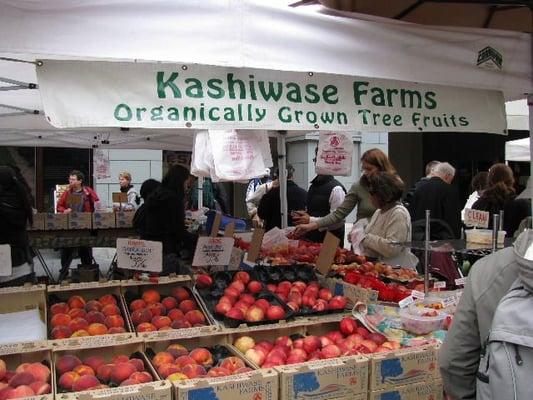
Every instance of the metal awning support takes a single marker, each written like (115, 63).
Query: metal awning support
(19, 111)
(16, 85)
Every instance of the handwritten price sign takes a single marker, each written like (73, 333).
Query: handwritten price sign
(213, 251)
(140, 255)
(477, 218)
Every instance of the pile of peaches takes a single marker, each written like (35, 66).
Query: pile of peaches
(78, 317)
(28, 379)
(350, 339)
(151, 312)
(177, 363)
(75, 375)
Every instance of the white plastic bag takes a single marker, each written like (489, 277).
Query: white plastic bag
(334, 155)
(202, 157)
(357, 234)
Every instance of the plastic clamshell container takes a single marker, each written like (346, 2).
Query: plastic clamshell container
(483, 236)
(415, 322)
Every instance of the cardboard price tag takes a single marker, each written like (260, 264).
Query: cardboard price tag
(140, 255)
(448, 301)
(212, 251)
(327, 253)
(6, 268)
(439, 285)
(235, 259)
(460, 281)
(119, 197)
(407, 301)
(477, 218)
(418, 295)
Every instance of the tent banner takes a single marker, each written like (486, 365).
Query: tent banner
(158, 95)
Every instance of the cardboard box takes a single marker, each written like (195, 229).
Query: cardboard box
(31, 352)
(109, 347)
(416, 391)
(38, 222)
(353, 292)
(89, 291)
(124, 219)
(54, 222)
(339, 378)
(80, 220)
(103, 220)
(402, 367)
(24, 298)
(133, 289)
(260, 384)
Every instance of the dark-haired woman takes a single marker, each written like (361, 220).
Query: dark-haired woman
(15, 215)
(500, 195)
(390, 224)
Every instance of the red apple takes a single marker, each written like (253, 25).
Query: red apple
(254, 286)
(335, 336)
(330, 351)
(204, 281)
(311, 344)
(242, 276)
(275, 312)
(338, 303)
(325, 294)
(347, 326)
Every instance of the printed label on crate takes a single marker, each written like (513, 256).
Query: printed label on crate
(212, 251)
(460, 281)
(140, 255)
(6, 268)
(260, 388)
(15, 348)
(420, 391)
(418, 295)
(95, 341)
(182, 333)
(405, 302)
(440, 285)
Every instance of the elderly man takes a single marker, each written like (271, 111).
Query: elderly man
(440, 197)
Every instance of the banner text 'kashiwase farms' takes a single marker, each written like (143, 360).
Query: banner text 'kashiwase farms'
(232, 98)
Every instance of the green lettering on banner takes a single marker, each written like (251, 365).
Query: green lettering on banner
(378, 97)
(271, 93)
(231, 87)
(173, 114)
(312, 95)
(195, 89)
(215, 90)
(407, 94)
(189, 113)
(284, 115)
(212, 115)
(162, 85)
(430, 103)
(330, 94)
(157, 113)
(127, 109)
(294, 94)
(358, 91)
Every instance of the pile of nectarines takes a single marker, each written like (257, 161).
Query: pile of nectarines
(153, 313)
(177, 363)
(94, 372)
(78, 317)
(28, 379)
(351, 339)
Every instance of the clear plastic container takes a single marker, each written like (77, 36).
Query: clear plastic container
(415, 321)
(483, 236)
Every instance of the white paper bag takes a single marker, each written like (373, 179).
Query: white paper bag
(334, 155)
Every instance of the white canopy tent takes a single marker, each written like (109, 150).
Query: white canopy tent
(518, 150)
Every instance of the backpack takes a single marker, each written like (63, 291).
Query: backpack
(506, 363)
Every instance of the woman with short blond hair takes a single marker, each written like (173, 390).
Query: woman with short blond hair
(124, 180)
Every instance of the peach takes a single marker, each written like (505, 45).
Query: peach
(80, 333)
(195, 317)
(121, 358)
(169, 303)
(110, 309)
(76, 302)
(107, 299)
(176, 377)
(137, 305)
(247, 298)
(60, 319)
(78, 323)
(67, 363)
(242, 370)
(167, 369)
(163, 357)
(180, 293)
(235, 313)
(114, 321)
(140, 316)
(244, 343)
(93, 305)
(187, 305)
(21, 378)
(218, 371)
(203, 281)
(242, 276)
(330, 351)
(227, 299)
(337, 303)
(263, 304)
(175, 314)
(40, 388)
(180, 324)
(86, 382)
(177, 350)
(311, 344)
(255, 356)
(39, 371)
(116, 329)
(183, 361)
(137, 363)
(21, 368)
(232, 363)
(129, 382)
(347, 326)
(156, 309)
(59, 308)
(20, 392)
(77, 313)
(67, 379)
(122, 371)
(254, 286)
(160, 321)
(241, 305)
(275, 312)
(370, 345)
(6, 392)
(61, 332)
(325, 294)
(82, 370)
(97, 329)
(146, 327)
(104, 372)
(254, 314)
(3, 369)
(222, 308)
(141, 377)
(238, 285)
(151, 296)
(94, 362)
(95, 317)
(202, 356)
(232, 292)
(193, 370)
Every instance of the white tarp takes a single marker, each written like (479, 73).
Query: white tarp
(517, 150)
(156, 95)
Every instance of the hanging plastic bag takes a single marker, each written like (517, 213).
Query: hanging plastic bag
(357, 234)
(202, 157)
(334, 155)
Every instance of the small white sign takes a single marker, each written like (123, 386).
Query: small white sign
(479, 219)
(6, 268)
(460, 281)
(213, 251)
(407, 301)
(448, 301)
(439, 285)
(235, 259)
(418, 295)
(140, 255)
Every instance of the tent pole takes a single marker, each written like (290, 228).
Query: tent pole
(200, 189)
(282, 176)
(530, 109)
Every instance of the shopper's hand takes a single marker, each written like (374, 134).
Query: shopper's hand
(300, 217)
(301, 230)
(257, 222)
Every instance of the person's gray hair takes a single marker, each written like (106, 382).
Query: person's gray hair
(442, 169)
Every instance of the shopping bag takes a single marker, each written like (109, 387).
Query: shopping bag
(202, 157)
(334, 155)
